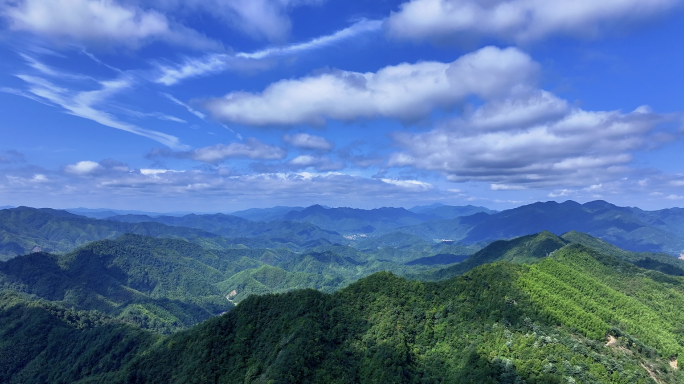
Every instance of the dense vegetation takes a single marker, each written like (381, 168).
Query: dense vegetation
(170, 284)
(499, 323)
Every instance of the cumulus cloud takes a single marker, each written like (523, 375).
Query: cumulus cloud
(405, 91)
(99, 22)
(281, 185)
(317, 162)
(306, 141)
(91, 168)
(12, 157)
(516, 20)
(298, 163)
(413, 185)
(251, 148)
(542, 142)
(83, 168)
(204, 189)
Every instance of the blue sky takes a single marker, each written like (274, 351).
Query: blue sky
(212, 105)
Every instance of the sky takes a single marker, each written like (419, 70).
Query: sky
(223, 105)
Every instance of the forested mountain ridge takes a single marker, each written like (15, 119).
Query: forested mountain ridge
(23, 229)
(576, 316)
(169, 284)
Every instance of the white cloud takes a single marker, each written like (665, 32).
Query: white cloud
(516, 20)
(306, 141)
(214, 154)
(83, 168)
(107, 167)
(99, 23)
(319, 163)
(153, 172)
(289, 186)
(412, 185)
(506, 187)
(559, 147)
(405, 91)
(83, 104)
(219, 62)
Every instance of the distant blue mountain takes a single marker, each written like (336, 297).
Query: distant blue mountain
(629, 228)
(234, 226)
(425, 208)
(353, 220)
(266, 214)
(452, 212)
(103, 213)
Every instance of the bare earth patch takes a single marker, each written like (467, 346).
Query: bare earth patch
(611, 341)
(673, 364)
(650, 372)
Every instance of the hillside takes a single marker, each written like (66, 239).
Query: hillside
(159, 284)
(170, 284)
(576, 316)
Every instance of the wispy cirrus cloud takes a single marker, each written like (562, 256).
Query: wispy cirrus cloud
(84, 104)
(219, 62)
(187, 107)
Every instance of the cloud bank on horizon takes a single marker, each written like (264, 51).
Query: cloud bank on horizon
(220, 105)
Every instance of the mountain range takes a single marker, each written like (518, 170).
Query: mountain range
(543, 293)
(536, 309)
(23, 229)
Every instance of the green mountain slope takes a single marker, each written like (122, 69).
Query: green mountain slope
(524, 249)
(498, 323)
(578, 316)
(169, 284)
(160, 284)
